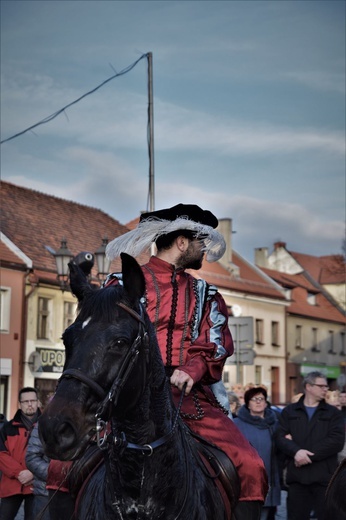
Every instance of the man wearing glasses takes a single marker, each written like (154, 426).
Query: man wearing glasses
(310, 434)
(16, 480)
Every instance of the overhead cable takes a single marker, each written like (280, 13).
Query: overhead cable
(58, 112)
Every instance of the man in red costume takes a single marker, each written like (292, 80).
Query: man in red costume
(191, 323)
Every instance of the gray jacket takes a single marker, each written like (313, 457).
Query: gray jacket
(37, 462)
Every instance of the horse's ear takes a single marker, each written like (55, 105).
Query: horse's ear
(133, 277)
(78, 281)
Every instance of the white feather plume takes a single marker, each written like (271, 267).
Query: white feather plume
(140, 239)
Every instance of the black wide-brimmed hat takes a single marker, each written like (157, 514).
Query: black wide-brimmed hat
(188, 211)
(155, 224)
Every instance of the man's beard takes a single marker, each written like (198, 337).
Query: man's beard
(190, 261)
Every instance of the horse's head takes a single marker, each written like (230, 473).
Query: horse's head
(106, 362)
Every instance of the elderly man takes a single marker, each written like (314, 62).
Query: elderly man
(310, 434)
(191, 323)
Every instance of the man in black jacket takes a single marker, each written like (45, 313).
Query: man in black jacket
(310, 434)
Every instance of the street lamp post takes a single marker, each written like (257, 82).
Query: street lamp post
(85, 260)
(62, 257)
(103, 263)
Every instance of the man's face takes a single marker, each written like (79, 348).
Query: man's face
(193, 256)
(318, 389)
(28, 403)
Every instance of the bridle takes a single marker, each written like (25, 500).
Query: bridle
(111, 397)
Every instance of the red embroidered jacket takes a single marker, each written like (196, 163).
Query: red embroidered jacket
(191, 321)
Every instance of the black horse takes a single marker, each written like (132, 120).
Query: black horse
(336, 496)
(114, 394)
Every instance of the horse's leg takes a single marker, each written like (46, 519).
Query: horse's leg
(247, 510)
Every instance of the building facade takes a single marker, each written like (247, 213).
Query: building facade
(315, 333)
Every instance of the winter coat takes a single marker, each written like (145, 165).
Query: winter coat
(14, 438)
(260, 433)
(323, 435)
(57, 475)
(37, 462)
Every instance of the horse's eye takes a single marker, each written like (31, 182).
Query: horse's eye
(120, 343)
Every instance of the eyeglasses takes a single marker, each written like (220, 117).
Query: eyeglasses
(321, 386)
(257, 399)
(29, 401)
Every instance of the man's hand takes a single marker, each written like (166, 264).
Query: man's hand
(25, 477)
(302, 458)
(179, 378)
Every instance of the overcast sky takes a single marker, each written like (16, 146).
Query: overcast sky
(249, 110)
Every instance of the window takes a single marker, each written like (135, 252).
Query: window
(69, 313)
(311, 299)
(275, 333)
(331, 342)
(315, 340)
(342, 339)
(288, 294)
(225, 377)
(43, 318)
(5, 305)
(258, 374)
(259, 332)
(3, 394)
(298, 338)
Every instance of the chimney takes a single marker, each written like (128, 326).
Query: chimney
(279, 244)
(261, 256)
(225, 228)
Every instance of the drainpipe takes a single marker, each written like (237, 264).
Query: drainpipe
(33, 281)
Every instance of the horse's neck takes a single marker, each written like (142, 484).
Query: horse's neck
(153, 416)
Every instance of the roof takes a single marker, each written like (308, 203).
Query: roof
(9, 259)
(34, 220)
(249, 281)
(329, 269)
(301, 287)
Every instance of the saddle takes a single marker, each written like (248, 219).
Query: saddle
(213, 461)
(219, 467)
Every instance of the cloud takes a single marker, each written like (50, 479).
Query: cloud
(118, 118)
(318, 79)
(187, 129)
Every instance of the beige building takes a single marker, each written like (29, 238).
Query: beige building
(315, 320)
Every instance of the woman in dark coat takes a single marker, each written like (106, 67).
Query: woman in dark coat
(258, 422)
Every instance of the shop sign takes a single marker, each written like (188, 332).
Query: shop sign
(51, 359)
(329, 372)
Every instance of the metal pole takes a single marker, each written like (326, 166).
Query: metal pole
(151, 132)
(238, 351)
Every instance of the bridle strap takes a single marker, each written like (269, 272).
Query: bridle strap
(74, 373)
(133, 313)
(148, 449)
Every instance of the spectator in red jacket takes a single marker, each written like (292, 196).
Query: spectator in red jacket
(16, 480)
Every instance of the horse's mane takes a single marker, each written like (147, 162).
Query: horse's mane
(101, 303)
